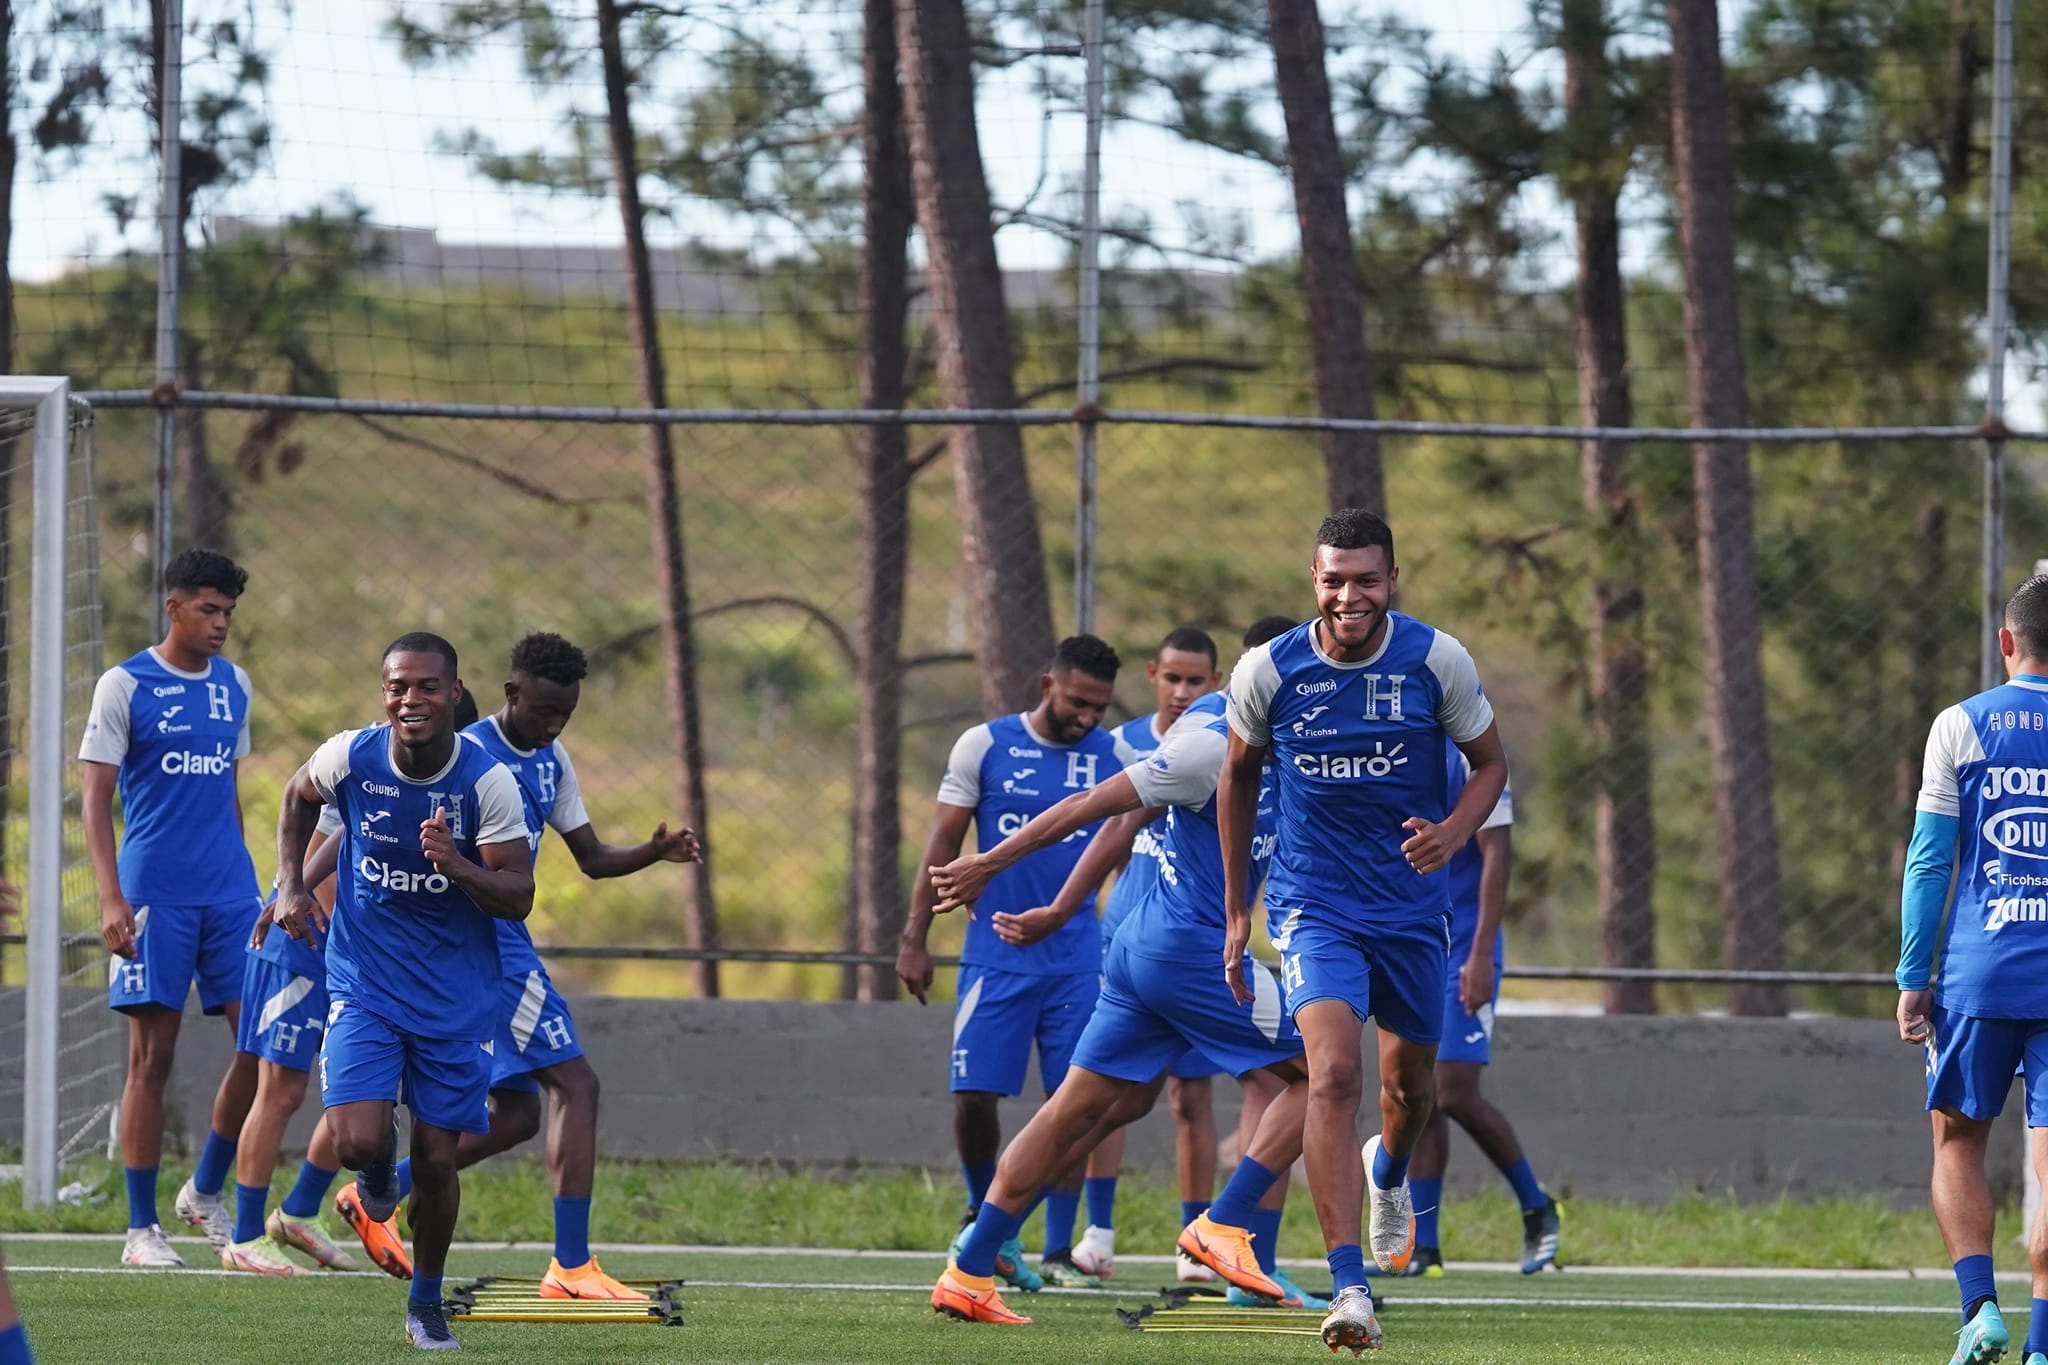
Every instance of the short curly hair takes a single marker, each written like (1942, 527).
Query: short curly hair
(1087, 654)
(548, 656)
(194, 569)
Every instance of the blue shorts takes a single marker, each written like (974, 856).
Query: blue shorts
(1466, 1037)
(534, 1031)
(176, 945)
(1391, 974)
(283, 1016)
(1152, 1013)
(446, 1082)
(1194, 1064)
(1970, 1064)
(1001, 1014)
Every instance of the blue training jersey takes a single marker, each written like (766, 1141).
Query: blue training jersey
(1179, 916)
(1987, 765)
(1357, 749)
(1143, 867)
(175, 737)
(552, 798)
(1006, 773)
(1467, 863)
(405, 943)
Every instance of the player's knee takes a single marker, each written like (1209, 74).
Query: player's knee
(1409, 1092)
(358, 1149)
(975, 1107)
(282, 1090)
(515, 1115)
(150, 1053)
(576, 1088)
(1336, 1083)
(1190, 1100)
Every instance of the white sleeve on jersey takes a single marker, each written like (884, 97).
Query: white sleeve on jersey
(1503, 813)
(568, 813)
(1125, 754)
(961, 786)
(329, 822)
(106, 725)
(328, 767)
(1253, 684)
(501, 815)
(1951, 743)
(1464, 711)
(248, 705)
(1183, 770)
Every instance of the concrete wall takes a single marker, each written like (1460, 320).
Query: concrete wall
(1622, 1108)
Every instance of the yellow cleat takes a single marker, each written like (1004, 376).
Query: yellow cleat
(586, 1281)
(972, 1298)
(308, 1236)
(381, 1240)
(1228, 1251)
(257, 1256)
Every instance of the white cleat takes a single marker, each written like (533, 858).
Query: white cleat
(1095, 1253)
(207, 1213)
(1188, 1270)
(1390, 1225)
(151, 1250)
(309, 1236)
(1352, 1322)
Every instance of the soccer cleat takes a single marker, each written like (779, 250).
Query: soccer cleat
(1095, 1253)
(1983, 1339)
(2035, 1358)
(310, 1236)
(1188, 1270)
(1390, 1224)
(258, 1256)
(1227, 1251)
(379, 1238)
(1060, 1272)
(205, 1212)
(150, 1249)
(1539, 1237)
(1352, 1322)
(586, 1281)
(1295, 1297)
(1428, 1262)
(1010, 1263)
(426, 1328)
(972, 1298)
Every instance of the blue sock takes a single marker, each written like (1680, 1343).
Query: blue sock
(1265, 1226)
(308, 1192)
(993, 1226)
(1101, 1191)
(1428, 1195)
(1060, 1208)
(14, 1346)
(249, 1202)
(1248, 1185)
(1347, 1268)
(572, 1232)
(1191, 1209)
(1975, 1280)
(978, 1177)
(216, 1159)
(141, 1195)
(2037, 1329)
(425, 1289)
(404, 1173)
(1527, 1190)
(1388, 1170)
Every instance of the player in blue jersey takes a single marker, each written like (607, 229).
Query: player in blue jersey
(437, 850)
(1479, 892)
(536, 1048)
(1181, 669)
(1349, 714)
(168, 729)
(1001, 774)
(1980, 825)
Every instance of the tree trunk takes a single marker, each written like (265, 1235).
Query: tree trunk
(998, 520)
(876, 904)
(1332, 293)
(1731, 616)
(15, 449)
(1625, 843)
(205, 506)
(700, 929)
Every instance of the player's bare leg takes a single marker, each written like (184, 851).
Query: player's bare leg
(515, 1118)
(436, 1200)
(1192, 1100)
(1336, 1178)
(1095, 1252)
(365, 1142)
(573, 1273)
(1963, 1209)
(203, 1208)
(152, 1042)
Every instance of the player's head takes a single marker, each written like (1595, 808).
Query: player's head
(541, 689)
(1077, 687)
(200, 590)
(1267, 629)
(421, 688)
(1354, 575)
(1180, 670)
(2024, 640)
(466, 712)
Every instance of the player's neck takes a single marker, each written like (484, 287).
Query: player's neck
(182, 659)
(425, 761)
(503, 720)
(1355, 655)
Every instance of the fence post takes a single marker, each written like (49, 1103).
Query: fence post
(1998, 308)
(1088, 386)
(170, 265)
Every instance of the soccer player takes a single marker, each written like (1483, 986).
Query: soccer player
(169, 728)
(1351, 712)
(1000, 774)
(536, 1048)
(1978, 824)
(437, 847)
(1180, 670)
(1161, 996)
(1479, 896)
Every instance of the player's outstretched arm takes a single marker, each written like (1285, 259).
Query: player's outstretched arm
(1109, 850)
(961, 881)
(117, 917)
(296, 911)
(501, 883)
(1237, 812)
(598, 859)
(913, 958)
(323, 856)
(1475, 976)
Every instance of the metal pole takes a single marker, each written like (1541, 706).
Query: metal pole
(45, 797)
(1088, 390)
(1993, 671)
(170, 261)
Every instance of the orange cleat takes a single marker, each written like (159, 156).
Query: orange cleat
(972, 1298)
(1228, 1251)
(586, 1281)
(381, 1240)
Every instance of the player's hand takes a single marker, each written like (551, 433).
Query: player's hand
(960, 883)
(914, 969)
(117, 927)
(1475, 982)
(299, 915)
(1237, 932)
(1027, 928)
(1914, 1025)
(679, 847)
(1428, 847)
(437, 841)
